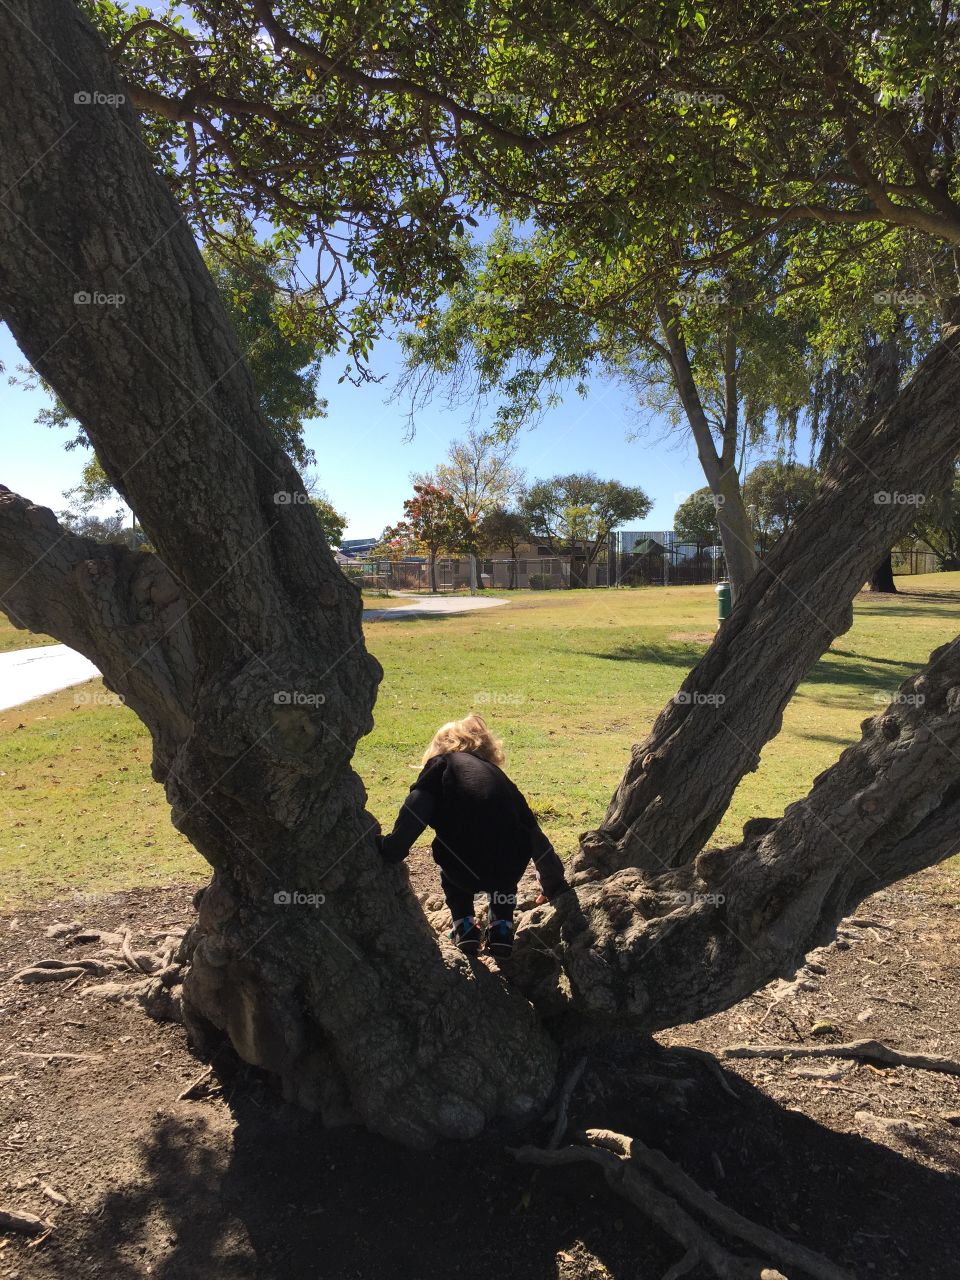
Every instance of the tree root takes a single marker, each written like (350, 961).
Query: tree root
(158, 991)
(633, 1171)
(563, 1104)
(858, 1050)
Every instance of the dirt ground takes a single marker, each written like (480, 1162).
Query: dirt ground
(860, 1163)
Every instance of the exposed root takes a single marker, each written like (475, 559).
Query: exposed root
(634, 1171)
(161, 976)
(858, 1050)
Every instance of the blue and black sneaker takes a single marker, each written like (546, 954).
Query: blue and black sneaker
(498, 938)
(466, 935)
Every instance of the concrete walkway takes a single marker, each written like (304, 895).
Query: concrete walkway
(26, 674)
(423, 606)
(33, 673)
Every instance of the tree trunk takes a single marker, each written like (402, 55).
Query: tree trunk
(239, 642)
(681, 778)
(736, 531)
(433, 572)
(474, 575)
(882, 577)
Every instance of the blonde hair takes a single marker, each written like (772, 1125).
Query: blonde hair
(469, 734)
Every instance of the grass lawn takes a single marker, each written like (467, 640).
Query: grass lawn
(12, 637)
(569, 680)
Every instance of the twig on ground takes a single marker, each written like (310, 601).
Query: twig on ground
(563, 1103)
(858, 1050)
(188, 1091)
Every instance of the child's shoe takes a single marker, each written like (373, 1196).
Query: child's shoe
(466, 935)
(498, 937)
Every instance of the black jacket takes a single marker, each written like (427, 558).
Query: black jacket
(486, 833)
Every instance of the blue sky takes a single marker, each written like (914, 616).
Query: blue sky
(364, 460)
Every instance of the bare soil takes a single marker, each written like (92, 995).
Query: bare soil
(863, 1166)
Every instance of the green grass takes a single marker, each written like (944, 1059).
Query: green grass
(12, 637)
(569, 681)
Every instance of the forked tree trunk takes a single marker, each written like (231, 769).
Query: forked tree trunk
(239, 645)
(682, 777)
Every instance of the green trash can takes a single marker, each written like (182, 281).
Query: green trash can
(724, 599)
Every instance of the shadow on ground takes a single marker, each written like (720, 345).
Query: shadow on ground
(282, 1198)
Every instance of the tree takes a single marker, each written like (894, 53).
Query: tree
(332, 521)
(478, 477)
(437, 523)
(226, 640)
(938, 524)
(581, 510)
(503, 528)
(535, 315)
(775, 494)
(695, 520)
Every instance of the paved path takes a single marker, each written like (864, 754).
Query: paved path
(423, 606)
(33, 673)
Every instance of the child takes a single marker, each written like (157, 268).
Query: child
(486, 833)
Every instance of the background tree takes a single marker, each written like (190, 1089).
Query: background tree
(504, 528)
(437, 522)
(534, 316)
(581, 510)
(695, 520)
(939, 524)
(775, 493)
(332, 521)
(478, 476)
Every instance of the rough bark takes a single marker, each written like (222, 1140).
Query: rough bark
(699, 938)
(258, 694)
(681, 778)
